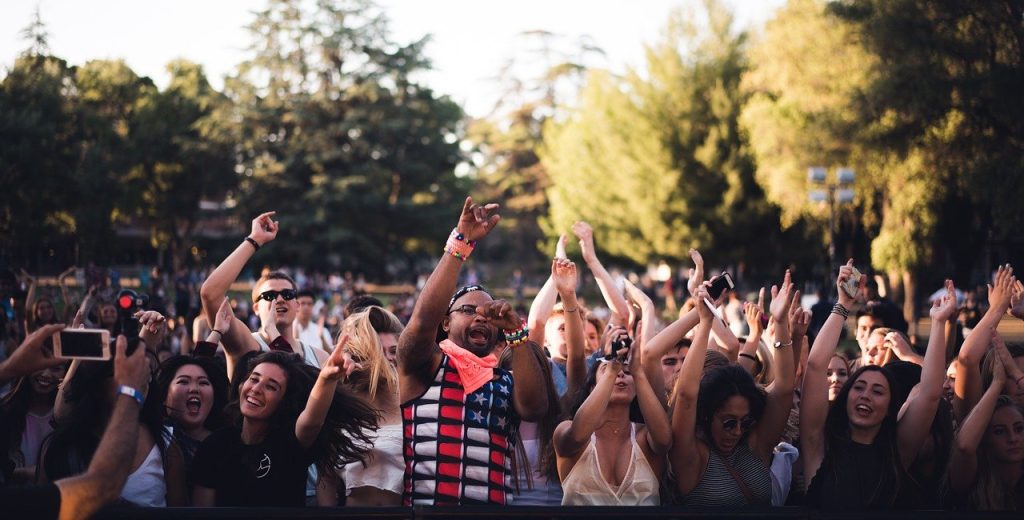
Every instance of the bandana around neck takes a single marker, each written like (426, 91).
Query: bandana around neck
(473, 370)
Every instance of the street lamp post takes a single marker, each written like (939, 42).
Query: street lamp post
(832, 192)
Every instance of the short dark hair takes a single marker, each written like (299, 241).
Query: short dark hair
(360, 303)
(874, 310)
(305, 293)
(272, 275)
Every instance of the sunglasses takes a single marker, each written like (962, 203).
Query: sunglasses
(285, 294)
(467, 309)
(745, 424)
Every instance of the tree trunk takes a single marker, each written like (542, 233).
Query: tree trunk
(909, 302)
(895, 286)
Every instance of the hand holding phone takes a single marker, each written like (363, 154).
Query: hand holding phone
(85, 344)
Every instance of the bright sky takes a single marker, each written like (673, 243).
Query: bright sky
(471, 38)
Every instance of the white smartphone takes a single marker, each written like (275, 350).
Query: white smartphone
(88, 344)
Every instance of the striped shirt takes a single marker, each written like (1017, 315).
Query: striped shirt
(458, 447)
(718, 488)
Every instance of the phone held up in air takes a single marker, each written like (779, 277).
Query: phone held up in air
(86, 344)
(719, 284)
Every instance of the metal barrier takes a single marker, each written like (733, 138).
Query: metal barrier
(529, 512)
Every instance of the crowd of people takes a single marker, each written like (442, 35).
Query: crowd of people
(465, 399)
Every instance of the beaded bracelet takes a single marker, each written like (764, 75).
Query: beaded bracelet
(840, 310)
(517, 337)
(458, 246)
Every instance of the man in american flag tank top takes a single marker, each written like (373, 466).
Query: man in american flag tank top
(460, 412)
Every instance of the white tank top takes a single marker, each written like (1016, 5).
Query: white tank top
(146, 486)
(585, 486)
(307, 352)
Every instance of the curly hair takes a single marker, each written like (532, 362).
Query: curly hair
(344, 437)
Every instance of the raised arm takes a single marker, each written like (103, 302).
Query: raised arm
(81, 496)
(685, 453)
(237, 340)
(417, 346)
(649, 364)
(967, 387)
(814, 397)
(563, 275)
(780, 395)
(84, 308)
(753, 312)
(1017, 301)
(652, 404)
(544, 301)
(662, 343)
(612, 296)
(337, 367)
(571, 437)
(65, 295)
(963, 461)
(726, 339)
(29, 356)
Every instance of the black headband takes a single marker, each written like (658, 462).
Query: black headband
(464, 291)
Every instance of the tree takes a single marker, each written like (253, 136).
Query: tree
(38, 153)
(333, 133)
(656, 161)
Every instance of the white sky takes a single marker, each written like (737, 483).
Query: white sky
(471, 38)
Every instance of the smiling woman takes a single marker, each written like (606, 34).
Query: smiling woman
(287, 416)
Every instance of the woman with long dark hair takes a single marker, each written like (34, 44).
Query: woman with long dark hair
(724, 426)
(601, 429)
(288, 415)
(987, 465)
(26, 416)
(856, 453)
(158, 477)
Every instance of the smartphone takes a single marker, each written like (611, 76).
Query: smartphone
(853, 283)
(719, 284)
(88, 344)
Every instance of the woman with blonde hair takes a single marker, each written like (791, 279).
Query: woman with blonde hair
(373, 339)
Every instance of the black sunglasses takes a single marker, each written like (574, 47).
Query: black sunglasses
(745, 424)
(286, 294)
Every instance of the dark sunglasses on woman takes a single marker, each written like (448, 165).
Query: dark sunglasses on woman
(745, 424)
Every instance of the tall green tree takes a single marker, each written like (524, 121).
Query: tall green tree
(656, 161)
(335, 134)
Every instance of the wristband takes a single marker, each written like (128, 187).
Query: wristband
(749, 356)
(516, 337)
(253, 242)
(840, 310)
(458, 246)
(131, 392)
(217, 331)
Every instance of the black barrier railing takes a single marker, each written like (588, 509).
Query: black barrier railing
(531, 513)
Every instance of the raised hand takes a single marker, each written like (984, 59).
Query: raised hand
(563, 273)
(753, 313)
(1017, 301)
(500, 314)
(223, 320)
(131, 370)
(943, 309)
(264, 228)
(898, 343)
(609, 369)
(560, 247)
(1010, 368)
(476, 221)
(152, 326)
(30, 356)
(845, 272)
(1001, 290)
(799, 320)
(701, 298)
(782, 299)
(637, 296)
(339, 365)
(585, 234)
(697, 273)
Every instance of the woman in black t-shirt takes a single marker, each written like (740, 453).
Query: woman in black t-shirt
(287, 417)
(856, 452)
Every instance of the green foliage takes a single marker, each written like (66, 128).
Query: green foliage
(357, 158)
(656, 161)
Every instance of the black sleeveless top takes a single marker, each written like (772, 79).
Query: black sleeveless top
(853, 476)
